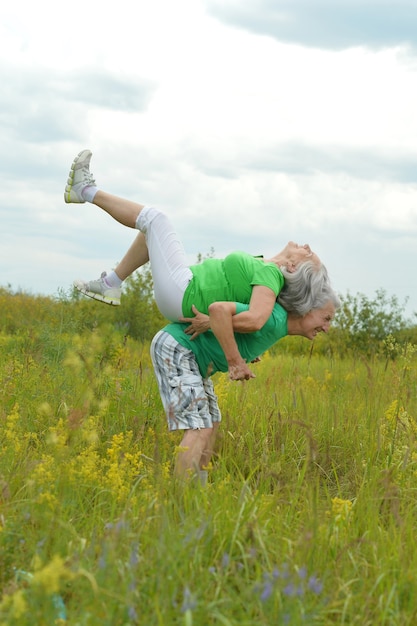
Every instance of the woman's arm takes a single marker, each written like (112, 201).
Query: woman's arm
(261, 304)
(260, 308)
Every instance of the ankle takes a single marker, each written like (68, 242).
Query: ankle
(89, 192)
(112, 280)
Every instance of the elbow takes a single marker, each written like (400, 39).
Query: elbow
(222, 308)
(253, 323)
(214, 307)
(256, 324)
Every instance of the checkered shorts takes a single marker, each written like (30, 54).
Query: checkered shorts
(188, 398)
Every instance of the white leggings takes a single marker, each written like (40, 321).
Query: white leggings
(170, 270)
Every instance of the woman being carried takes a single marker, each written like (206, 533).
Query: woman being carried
(295, 277)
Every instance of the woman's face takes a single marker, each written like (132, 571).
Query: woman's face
(317, 321)
(297, 254)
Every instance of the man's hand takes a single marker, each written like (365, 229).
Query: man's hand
(198, 324)
(240, 371)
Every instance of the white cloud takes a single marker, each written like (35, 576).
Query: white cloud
(248, 138)
(334, 24)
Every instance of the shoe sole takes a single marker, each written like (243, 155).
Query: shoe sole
(68, 187)
(98, 297)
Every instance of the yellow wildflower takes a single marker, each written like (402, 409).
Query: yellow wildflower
(14, 604)
(392, 411)
(50, 577)
(341, 509)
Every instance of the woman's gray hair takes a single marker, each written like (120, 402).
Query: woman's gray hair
(306, 289)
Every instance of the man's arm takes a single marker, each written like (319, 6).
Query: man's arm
(221, 322)
(224, 322)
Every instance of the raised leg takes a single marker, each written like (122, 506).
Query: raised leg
(123, 211)
(158, 242)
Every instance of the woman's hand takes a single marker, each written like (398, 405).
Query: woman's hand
(198, 324)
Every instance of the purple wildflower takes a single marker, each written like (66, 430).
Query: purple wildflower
(267, 591)
(134, 555)
(291, 590)
(189, 602)
(315, 585)
(132, 614)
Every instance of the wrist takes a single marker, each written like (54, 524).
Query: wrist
(235, 359)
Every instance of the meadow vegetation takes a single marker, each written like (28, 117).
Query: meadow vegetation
(310, 512)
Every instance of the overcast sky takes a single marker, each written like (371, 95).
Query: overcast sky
(250, 122)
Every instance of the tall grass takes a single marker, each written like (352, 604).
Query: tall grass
(309, 516)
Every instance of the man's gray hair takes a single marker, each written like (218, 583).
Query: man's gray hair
(306, 289)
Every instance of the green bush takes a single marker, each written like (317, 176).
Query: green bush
(139, 316)
(362, 323)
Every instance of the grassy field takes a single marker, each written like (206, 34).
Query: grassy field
(309, 516)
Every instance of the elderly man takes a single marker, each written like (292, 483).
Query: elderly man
(184, 358)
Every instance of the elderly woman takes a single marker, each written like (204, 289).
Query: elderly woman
(239, 277)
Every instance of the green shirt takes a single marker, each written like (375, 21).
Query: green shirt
(210, 356)
(230, 279)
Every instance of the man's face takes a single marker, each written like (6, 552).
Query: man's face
(317, 321)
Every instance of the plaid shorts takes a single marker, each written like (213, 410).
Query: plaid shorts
(188, 398)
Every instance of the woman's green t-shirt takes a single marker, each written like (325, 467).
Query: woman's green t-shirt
(230, 279)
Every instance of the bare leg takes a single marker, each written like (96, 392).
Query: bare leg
(160, 244)
(123, 211)
(208, 452)
(135, 257)
(195, 444)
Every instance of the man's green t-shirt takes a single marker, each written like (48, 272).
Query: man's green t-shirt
(230, 279)
(210, 356)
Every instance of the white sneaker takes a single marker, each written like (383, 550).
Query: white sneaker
(79, 177)
(99, 290)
